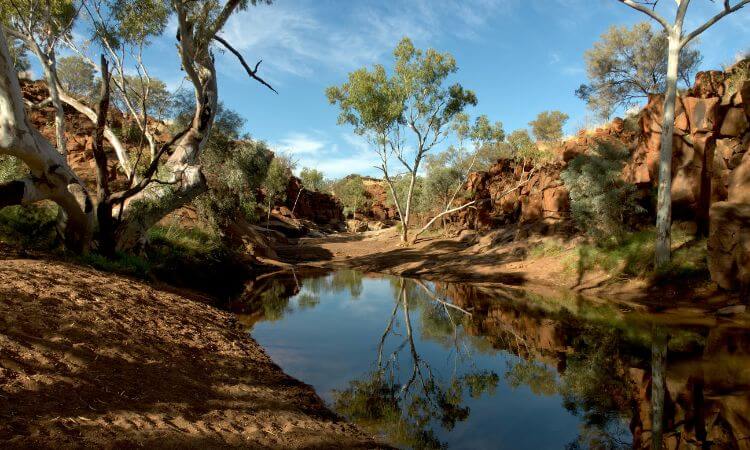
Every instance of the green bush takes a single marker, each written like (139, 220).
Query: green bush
(601, 202)
(633, 256)
(11, 168)
(31, 226)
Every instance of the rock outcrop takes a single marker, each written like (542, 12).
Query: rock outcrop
(318, 207)
(710, 166)
(509, 193)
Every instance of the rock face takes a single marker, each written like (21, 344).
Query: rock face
(711, 136)
(729, 245)
(710, 166)
(508, 193)
(318, 207)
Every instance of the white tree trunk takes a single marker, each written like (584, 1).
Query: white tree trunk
(114, 141)
(407, 212)
(664, 196)
(186, 180)
(51, 177)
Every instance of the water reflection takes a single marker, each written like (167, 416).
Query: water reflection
(432, 365)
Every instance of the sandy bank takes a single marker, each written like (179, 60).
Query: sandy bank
(90, 359)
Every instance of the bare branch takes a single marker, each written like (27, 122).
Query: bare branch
(252, 72)
(725, 12)
(646, 10)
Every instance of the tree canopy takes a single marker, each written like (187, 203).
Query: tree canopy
(629, 63)
(548, 126)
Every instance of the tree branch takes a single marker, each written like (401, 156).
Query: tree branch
(252, 72)
(727, 10)
(648, 11)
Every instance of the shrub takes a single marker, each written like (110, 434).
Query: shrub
(11, 168)
(32, 226)
(601, 202)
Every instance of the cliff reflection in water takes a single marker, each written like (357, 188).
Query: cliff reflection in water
(430, 365)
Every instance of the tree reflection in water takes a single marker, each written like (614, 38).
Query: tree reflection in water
(632, 384)
(405, 403)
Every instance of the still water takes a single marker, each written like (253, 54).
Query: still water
(436, 365)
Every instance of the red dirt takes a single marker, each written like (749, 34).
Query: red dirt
(90, 359)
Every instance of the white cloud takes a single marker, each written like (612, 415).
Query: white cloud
(300, 143)
(317, 151)
(300, 40)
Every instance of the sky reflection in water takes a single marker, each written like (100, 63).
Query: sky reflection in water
(429, 365)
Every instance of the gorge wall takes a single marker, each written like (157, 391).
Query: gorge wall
(710, 173)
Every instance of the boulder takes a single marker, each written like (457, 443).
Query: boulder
(729, 245)
(744, 95)
(739, 181)
(727, 147)
(356, 226)
(735, 123)
(555, 201)
(702, 113)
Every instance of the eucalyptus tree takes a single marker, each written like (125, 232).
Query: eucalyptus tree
(40, 26)
(313, 179)
(49, 177)
(677, 39)
(629, 64)
(448, 171)
(414, 100)
(198, 28)
(122, 29)
(548, 126)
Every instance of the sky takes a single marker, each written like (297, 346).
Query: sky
(520, 57)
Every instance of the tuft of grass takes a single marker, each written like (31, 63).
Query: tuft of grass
(121, 263)
(192, 243)
(546, 248)
(633, 256)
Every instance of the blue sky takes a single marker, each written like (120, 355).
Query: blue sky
(519, 56)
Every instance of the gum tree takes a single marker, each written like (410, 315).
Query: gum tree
(198, 27)
(40, 26)
(626, 65)
(677, 40)
(406, 114)
(50, 177)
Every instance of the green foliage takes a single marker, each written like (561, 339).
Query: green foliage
(233, 173)
(27, 15)
(235, 166)
(602, 203)
(18, 54)
(313, 179)
(11, 168)
(351, 192)
(633, 255)
(152, 92)
(120, 263)
(135, 21)
(419, 202)
(369, 101)
(32, 226)
(548, 126)
(627, 64)
(76, 76)
(277, 178)
(522, 149)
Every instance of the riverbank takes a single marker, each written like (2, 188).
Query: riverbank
(93, 359)
(535, 263)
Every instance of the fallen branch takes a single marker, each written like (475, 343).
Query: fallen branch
(465, 205)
